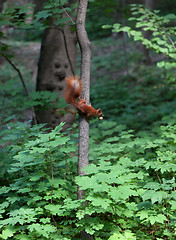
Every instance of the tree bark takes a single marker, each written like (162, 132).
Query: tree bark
(57, 60)
(1, 29)
(83, 144)
(1, 5)
(85, 47)
(149, 4)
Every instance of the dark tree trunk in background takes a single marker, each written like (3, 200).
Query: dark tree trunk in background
(1, 8)
(1, 4)
(123, 2)
(58, 50)
(149, 4)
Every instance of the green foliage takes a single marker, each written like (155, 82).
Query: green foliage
(162, 33)
(35, 195)
(42, 98)
(17, 18)
(100, 13)
(13, 96)
(138, 100)
(11, 91)
(166, 6)
(130, 183)
(15, 15)
(54, 9)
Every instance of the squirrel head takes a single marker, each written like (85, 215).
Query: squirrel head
(100, 114)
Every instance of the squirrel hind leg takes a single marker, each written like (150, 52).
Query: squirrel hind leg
(87, 119)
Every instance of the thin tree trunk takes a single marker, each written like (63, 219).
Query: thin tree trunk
(85, 46)
(83, 145)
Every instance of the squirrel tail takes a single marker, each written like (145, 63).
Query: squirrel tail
(73, 89)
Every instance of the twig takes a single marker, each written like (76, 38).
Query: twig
(171, 41)
(66, 49)
(65, 169)
(52, 177)
(19, 73)
(23, 83)
(54, 222)
(158, 177)
(113, 209)
(52, 174)
(65, 40)
(66, 12)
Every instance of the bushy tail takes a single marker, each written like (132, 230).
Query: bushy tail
(73, 89)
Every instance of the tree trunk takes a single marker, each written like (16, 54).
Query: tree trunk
(1, 28)
(85, 46)
(1, 5)
(83, 144)
(57, 60)
(149, 4)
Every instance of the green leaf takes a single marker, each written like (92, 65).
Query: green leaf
(171, 16)
(160, 218)
(143, 214)
(153, 185)
(154, 196)
(127, 235)
(42, 229)
(92, 168)
(97, 201)
(22, 237)
(44, 14)
(173, 205)
(9, 118)
(8, 232)
(106, 26)
(161, 64)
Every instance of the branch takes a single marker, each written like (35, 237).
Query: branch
(66, 49)
(173, 45)
(23, 83)
(64, 37)
(67, 13)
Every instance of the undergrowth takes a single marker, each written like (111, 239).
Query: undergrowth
(129, 186)
(137, 102)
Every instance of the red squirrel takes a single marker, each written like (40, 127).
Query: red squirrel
(72, 93)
